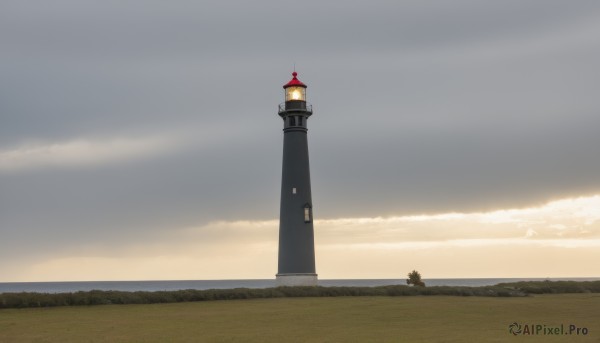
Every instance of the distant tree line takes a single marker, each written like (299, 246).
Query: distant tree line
(25, 299)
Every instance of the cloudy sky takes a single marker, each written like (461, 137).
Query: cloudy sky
(140, 139)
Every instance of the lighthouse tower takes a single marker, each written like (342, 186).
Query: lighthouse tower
(296, 234)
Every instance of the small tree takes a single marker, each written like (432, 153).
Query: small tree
(414, 278)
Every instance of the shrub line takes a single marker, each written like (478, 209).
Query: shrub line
(97, 297)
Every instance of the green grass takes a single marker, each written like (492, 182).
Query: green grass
(337, 319)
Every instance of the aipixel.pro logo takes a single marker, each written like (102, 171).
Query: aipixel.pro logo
(517, 329)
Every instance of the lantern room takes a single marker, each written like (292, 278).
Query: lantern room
(295, 90)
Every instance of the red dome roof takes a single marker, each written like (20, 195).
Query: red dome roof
(294, 82)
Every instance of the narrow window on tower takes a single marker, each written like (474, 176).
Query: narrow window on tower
(299, 121)
(292, 121)
(307, 213)
(294, 190)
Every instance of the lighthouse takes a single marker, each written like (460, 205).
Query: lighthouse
(296, 264)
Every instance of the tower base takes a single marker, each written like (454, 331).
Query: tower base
(296, 279)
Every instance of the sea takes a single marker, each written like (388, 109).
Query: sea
(174, 285)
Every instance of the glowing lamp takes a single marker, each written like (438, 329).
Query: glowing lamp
(295, 93)
(295, 90)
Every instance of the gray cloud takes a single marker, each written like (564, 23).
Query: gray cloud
(419, 107)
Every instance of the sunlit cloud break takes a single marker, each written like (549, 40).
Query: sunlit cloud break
(94, 151)
(562, 221)
(83, 152)
(557, 239)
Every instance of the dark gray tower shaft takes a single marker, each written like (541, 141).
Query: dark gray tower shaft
(296, 233)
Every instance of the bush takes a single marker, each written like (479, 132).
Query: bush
(414, 278)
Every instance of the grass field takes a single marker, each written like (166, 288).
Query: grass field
(339, 319)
